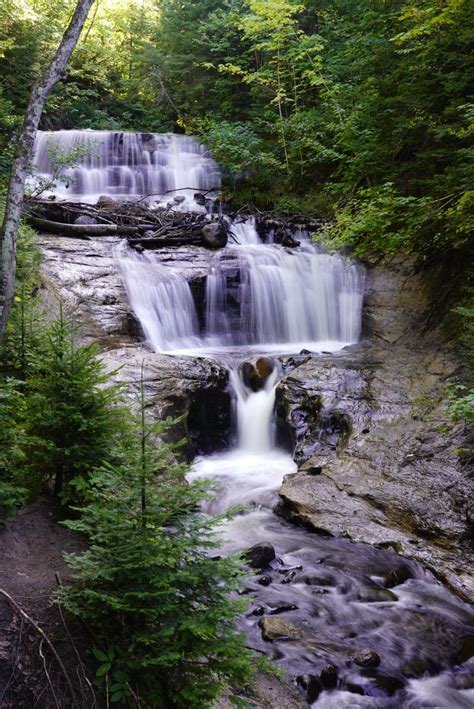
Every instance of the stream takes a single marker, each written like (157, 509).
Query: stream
(352, 625)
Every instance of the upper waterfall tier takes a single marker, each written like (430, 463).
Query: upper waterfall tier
(124, 164)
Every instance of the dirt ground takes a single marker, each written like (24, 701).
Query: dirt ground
(31, 549)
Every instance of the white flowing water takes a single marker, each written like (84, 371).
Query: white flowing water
(263, 297)
(124, 165)
(284, 300)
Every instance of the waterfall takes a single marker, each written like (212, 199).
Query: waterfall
(162, 301)
(262, 296)
(254, 413)
(125, 165)
(259, 295)
(281, 299)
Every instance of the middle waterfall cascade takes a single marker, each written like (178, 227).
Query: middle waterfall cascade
(284, 300)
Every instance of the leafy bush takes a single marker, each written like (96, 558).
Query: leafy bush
(11, 497)
(237, 147)
(378, 219)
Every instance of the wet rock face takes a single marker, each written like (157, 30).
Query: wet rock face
(84, 275)
(375, 448)
(366, 658)
(209, 419)
(179, 388)
(311, 687)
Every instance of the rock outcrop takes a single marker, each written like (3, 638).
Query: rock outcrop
(84, 276)
(376, 450)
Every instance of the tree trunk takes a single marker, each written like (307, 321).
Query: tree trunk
(49, 227)
(23, 154)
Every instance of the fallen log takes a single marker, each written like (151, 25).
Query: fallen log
(79, 230)
(163, 241)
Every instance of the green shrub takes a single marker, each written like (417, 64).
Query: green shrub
(11, 497)
(12, 494)
(158, 601)
(72, 419)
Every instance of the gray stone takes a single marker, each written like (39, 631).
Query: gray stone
(277, 628)
(200, 199)
(311, 686)
(106, 202)
(366, 658)
(214, 235)
(85, 219)
(329, 676)
(370, 594)
(260, 555)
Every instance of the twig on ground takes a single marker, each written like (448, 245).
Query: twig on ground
(19, 610)
(47, 673)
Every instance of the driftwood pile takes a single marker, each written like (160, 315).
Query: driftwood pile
(152, 228)
(142, 226)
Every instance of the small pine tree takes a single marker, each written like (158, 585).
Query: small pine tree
(147, 585)
(71, 418)
(11, 448)
(24, 330)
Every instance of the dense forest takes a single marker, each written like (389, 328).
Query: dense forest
(360, 109)
(355, 115)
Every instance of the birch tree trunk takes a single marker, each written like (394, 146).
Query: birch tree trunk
(23, 155)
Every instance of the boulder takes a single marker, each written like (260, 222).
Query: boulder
(179, 199)
(85, 219)
(214, 235)
(328, 677)
(397, 576)
(200, 199)
(106, 202)
(311, 686)
(255, 374)
(260, 555)
(369, 594)
(277, 628)
(265, 580)
(381, 685)
(366, 658)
